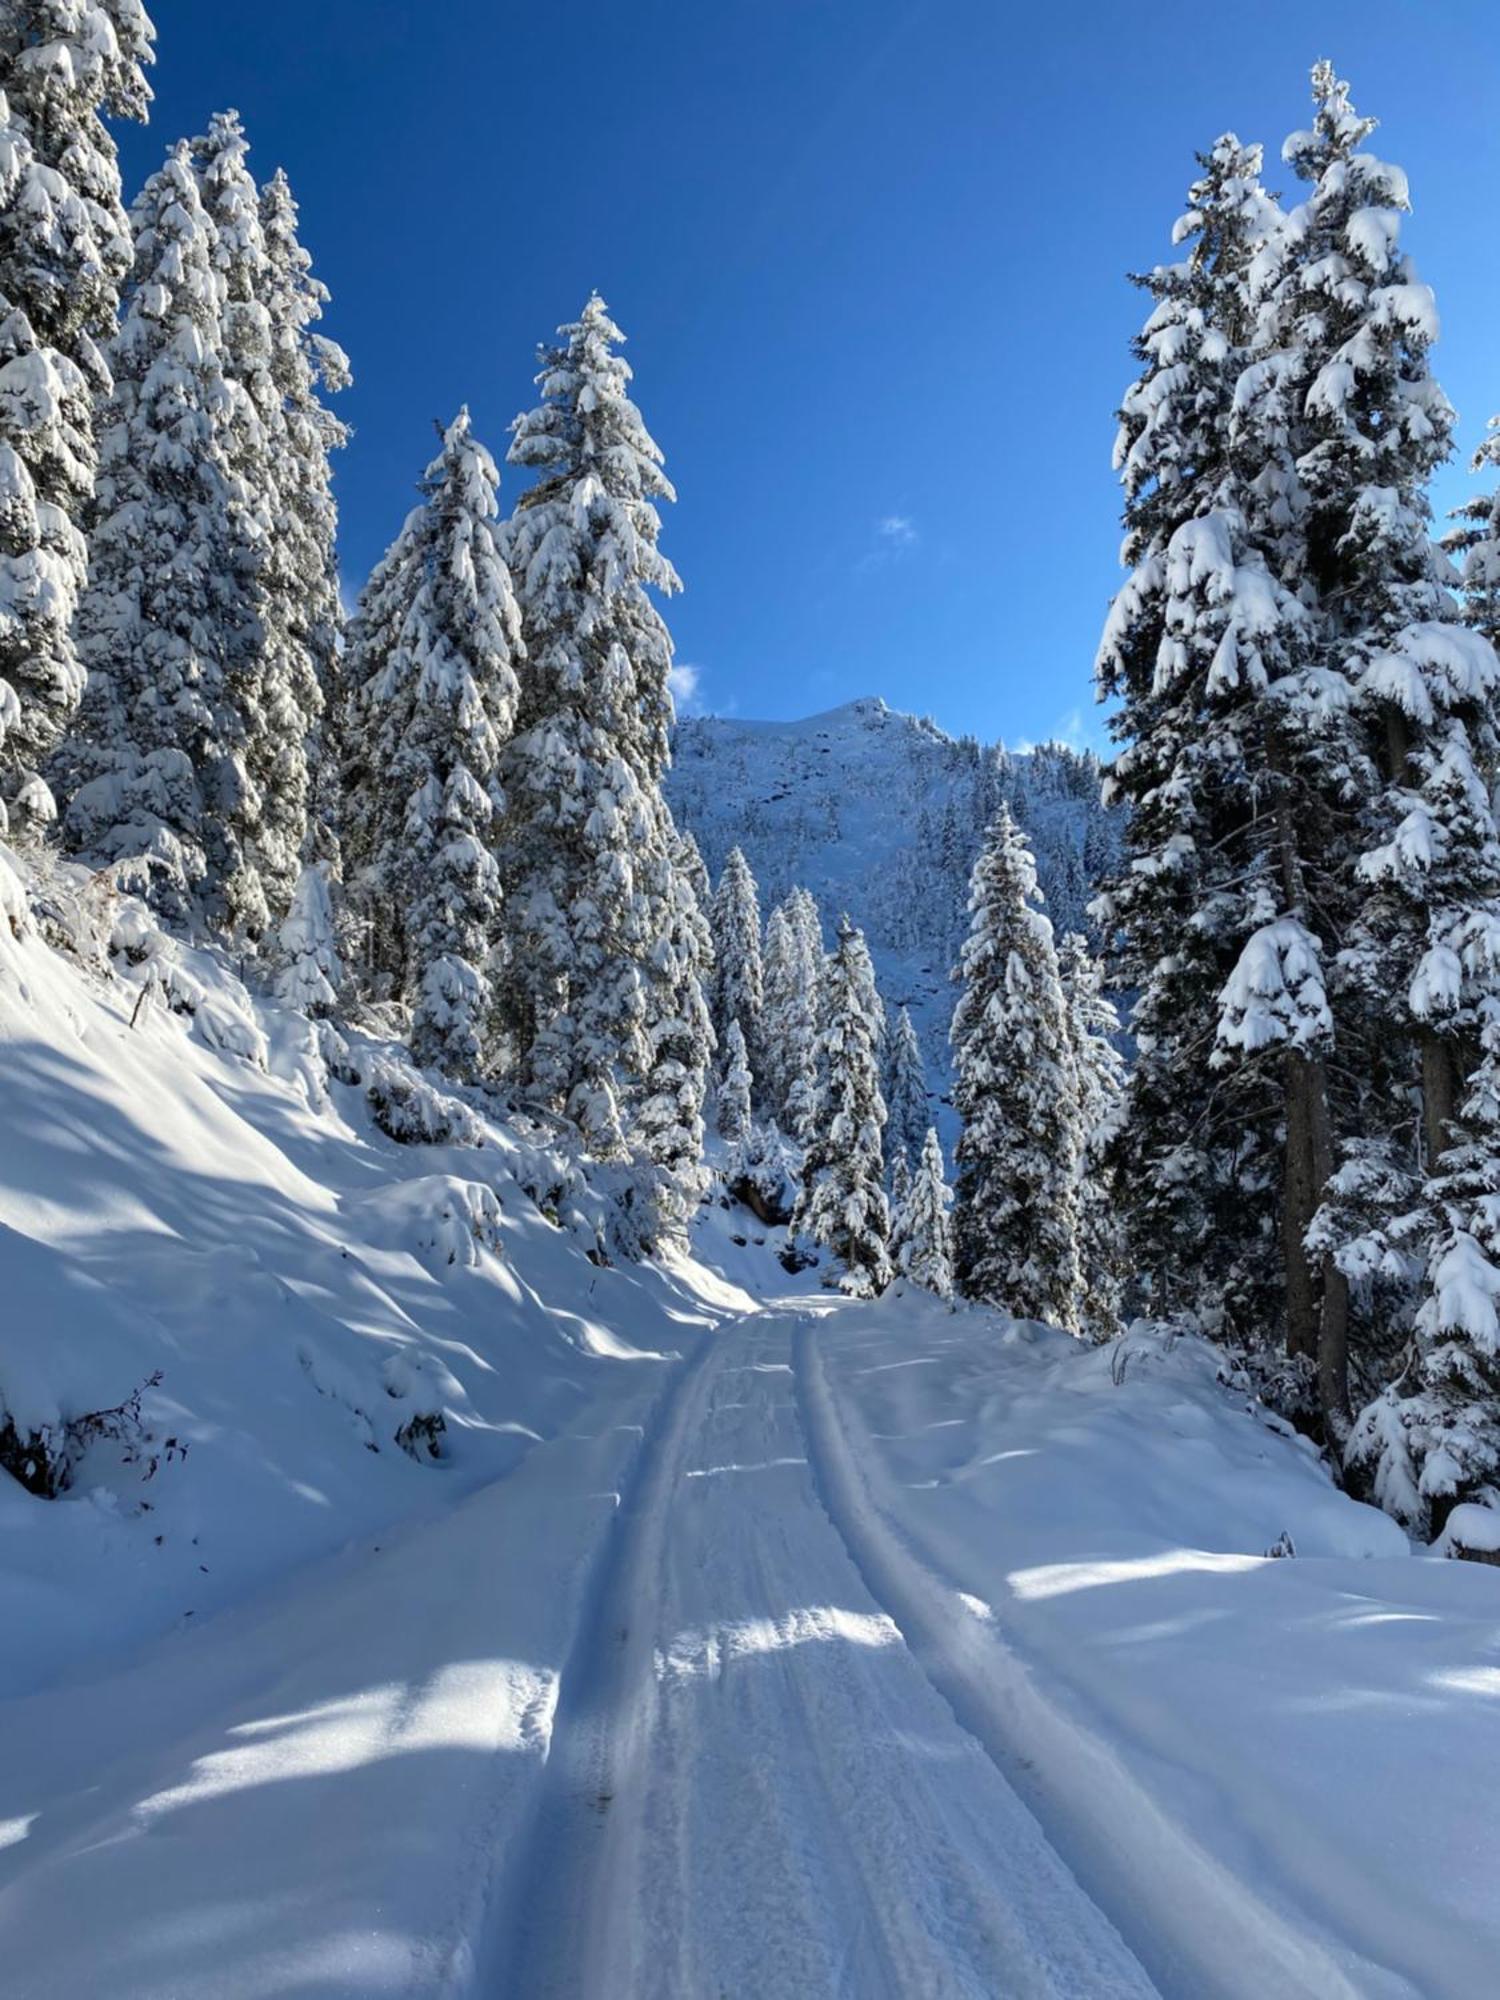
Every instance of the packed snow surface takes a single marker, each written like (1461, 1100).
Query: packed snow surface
(744, 1641)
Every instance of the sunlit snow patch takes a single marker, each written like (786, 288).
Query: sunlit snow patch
(484, 1705)
(1057, 1579)
(705, 1653)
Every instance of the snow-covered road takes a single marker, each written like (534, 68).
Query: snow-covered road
(741, 1646)
(754, 1786)
(839, 1652)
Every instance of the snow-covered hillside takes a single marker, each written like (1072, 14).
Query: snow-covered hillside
(329, 1330)
(737, 1639)
(880, 814)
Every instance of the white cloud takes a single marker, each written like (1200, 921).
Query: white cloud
(895, 534)
(1082, 729)
(1079, 729)
(686, 682)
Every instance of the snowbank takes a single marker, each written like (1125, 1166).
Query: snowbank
(277, 1708)
(1288, 1688)
(193, 1206)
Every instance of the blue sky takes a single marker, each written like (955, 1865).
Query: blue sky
(870, 256)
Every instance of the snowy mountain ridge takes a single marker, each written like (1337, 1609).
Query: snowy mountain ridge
(880, 814)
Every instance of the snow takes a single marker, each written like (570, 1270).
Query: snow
(880, 816)
(1465, 1286)
(1373, 234)
(726, 1814)
(741, 1639)
(1087, 1532)
(1477, 1529)
(242, 1226)
(1275, 992)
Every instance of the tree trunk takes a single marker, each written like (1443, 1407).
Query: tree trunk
(1442, 1075)
(1316, 1326)
(1440, 1086)
(1317, 1318)
(1306, 1138)
(1333, 1363)
(1397, 747)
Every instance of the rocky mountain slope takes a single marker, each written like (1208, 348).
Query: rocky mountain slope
(880, 814)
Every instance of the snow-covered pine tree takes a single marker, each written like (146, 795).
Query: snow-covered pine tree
(896, 1201)
(308, 614)
(924, 1226)
(842, 1203)
(692, 866)
(1093, 1026)
(587, 843)
(807, 918)
(302, 609)
(1476, 542)
(739, 982)
(139, 762)
(277, 441)
(305, 367)
(779, 968)
(1016, 1218)
(65, 247)
(1181, 657)
(762, 1171)
(1341, 411)
(237, 826)
(907, 1112)
(1431, 1440)
(432, 699)
(1350, 330)
(376, 939)
(734, 1087)
(46, 468)
(310, 970)
(198, 446)
(669, 1120)
(793, 979)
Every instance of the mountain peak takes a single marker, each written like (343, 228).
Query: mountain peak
(864, 705)
(881, 814)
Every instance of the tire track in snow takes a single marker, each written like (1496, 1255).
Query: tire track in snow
(870, 1965)
(1199, 1931)
(800, 1814)
(550, 1928)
